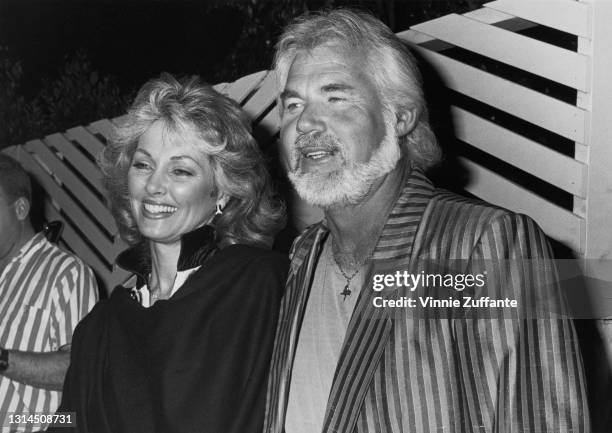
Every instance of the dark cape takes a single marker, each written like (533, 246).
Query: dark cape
(197, 362)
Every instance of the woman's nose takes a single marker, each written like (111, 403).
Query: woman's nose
(156, 184)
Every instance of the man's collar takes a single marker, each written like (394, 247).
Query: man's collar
(397, 235)
(196, 246)
(416, 191)
(29, 244)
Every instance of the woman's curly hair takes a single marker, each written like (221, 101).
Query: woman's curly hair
(254, 214)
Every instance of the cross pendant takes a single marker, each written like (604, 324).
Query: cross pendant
(346, 292)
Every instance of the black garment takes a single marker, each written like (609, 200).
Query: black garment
(197, 362)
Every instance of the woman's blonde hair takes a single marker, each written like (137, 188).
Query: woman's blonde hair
(254, 214)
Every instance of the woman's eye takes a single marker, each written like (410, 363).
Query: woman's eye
(139, 165)
(181, 172)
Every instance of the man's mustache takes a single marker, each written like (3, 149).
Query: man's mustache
(321, 141)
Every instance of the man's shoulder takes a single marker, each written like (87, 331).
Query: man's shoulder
(461, 210)
(62, 270)
(467, 217)
(444, 197)
(61, 257)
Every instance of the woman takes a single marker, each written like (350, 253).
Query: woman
(188, 348)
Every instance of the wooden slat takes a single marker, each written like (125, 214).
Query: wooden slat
(537, 108)
(118, 246)
(240, 89)
(120, 120)
(117, 278)
(491, 16)
(599, 193)
(484, 15)
(80, 248)
(103, 127)
(86, 225)
(89, 200)
(220, 87)
(417, 38)
(268, 126)
(85, 166)
(570, 16)
(12, 151)
(106, 127)
(551, 166)
(558, 223)
(263, 98)
(89, 142)
(557, 64)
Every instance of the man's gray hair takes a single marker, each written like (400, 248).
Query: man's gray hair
(386, 59)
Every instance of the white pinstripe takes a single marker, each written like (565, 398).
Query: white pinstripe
(44, 292)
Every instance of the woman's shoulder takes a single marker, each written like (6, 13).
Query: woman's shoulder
(253, 256)
(245, 274)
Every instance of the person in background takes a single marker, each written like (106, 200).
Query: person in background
(187, 348)
(356, 142)
(44, 292)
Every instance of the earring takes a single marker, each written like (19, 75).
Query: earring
(219, 209)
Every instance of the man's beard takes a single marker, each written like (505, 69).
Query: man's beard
(351, 183)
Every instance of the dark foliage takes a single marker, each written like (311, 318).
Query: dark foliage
(92, 83)
(77, 95)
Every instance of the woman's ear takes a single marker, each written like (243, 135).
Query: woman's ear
(406, 120)
(222, 200)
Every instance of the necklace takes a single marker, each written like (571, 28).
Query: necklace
(349, 278)
(347, 288)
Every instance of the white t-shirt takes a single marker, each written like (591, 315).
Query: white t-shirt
(319, 345)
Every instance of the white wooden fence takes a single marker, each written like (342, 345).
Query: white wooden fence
(504, 32)
(560, 54)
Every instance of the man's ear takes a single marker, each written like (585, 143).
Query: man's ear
(22, 208)
(406, 120)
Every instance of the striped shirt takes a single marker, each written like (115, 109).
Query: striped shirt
(44, 292)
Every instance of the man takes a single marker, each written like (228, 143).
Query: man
(355, 141)
(44, 292)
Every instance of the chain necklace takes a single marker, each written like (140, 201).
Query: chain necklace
(347, 288)
(349, 278)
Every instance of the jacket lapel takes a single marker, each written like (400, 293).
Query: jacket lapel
(369, 328)
(304, 258)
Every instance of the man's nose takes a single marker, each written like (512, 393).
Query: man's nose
(157, 183)
(310, 120)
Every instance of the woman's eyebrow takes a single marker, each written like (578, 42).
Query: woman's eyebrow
(186, 157)
(140, 150)
(179, 157)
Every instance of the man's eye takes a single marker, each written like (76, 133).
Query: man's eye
(292, 106)
(335, 99)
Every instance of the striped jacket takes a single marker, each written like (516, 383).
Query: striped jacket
(401, 373)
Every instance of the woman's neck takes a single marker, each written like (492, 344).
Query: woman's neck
(164, 262)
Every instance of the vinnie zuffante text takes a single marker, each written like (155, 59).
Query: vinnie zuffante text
(457, 282)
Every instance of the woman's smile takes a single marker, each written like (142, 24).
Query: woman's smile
(153, 210)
